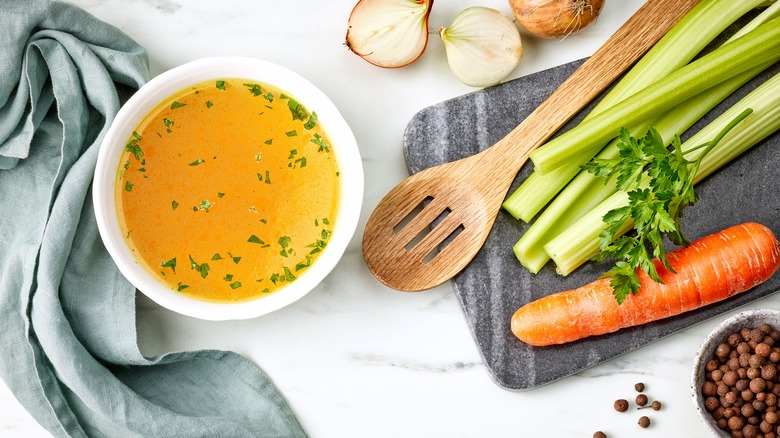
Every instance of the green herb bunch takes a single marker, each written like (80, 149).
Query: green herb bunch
(659, 184)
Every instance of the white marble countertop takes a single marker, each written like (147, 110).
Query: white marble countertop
(354, 358)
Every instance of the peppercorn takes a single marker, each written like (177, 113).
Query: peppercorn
(736, 423)
(722, 351)
(757, 385)
(656, 405)
(599, 434)
(730, 378)
(621, 405)
(644, 422)
(756, 335)
(709, 389)
(749, 431)
(756, 361)
(641, 400)
(710, 403)
(744, 359)
(763, 349)
(769, 372)
(639, 387)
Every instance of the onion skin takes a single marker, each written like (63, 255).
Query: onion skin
(555, 18)
(389, 33)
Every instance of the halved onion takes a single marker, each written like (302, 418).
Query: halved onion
(483, 46)
(389, 33)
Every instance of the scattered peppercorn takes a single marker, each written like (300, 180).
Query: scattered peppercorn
(644, 422)
(639, 387)
(621, 405)
(641, 400)
(599, 434)
(656, 405)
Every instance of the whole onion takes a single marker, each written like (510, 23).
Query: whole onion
(555, 18)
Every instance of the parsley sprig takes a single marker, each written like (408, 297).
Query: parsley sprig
(659, 184)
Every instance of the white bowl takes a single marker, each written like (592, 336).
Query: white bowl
(171, 82)
(718, 335)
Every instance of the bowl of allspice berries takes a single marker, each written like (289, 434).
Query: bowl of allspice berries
(735, 381)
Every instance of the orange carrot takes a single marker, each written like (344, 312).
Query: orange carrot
(711, 269)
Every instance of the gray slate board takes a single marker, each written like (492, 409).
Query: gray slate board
(494, 284)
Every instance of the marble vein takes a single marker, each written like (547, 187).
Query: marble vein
(412, 365)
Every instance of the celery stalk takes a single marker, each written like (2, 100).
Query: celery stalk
(771, 12)
(678, 47)
(580, 241)
(745, 53)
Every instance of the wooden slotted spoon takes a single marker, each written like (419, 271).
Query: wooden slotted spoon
(465, 196)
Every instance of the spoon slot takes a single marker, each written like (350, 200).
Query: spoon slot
(416, 225)
(426, 230)
(412, 213)
(437, 239)
(431, 255)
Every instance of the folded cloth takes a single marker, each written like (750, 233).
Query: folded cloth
(67, 316)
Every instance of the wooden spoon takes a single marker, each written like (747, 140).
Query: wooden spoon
(462, 198)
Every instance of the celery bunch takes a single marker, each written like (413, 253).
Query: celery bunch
(677, 48)
(661, 91)
(579, 242)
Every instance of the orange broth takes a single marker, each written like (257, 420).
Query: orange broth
(228, 190)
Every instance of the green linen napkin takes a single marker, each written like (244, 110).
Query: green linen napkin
(67, 316)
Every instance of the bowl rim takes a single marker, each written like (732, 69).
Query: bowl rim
(163, 86)
(707, 349)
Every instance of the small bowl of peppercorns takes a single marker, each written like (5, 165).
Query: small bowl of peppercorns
(736, 376)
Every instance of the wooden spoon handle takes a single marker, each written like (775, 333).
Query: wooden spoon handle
(618, 53)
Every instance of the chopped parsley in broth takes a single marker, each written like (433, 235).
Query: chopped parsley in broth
(228, 190)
